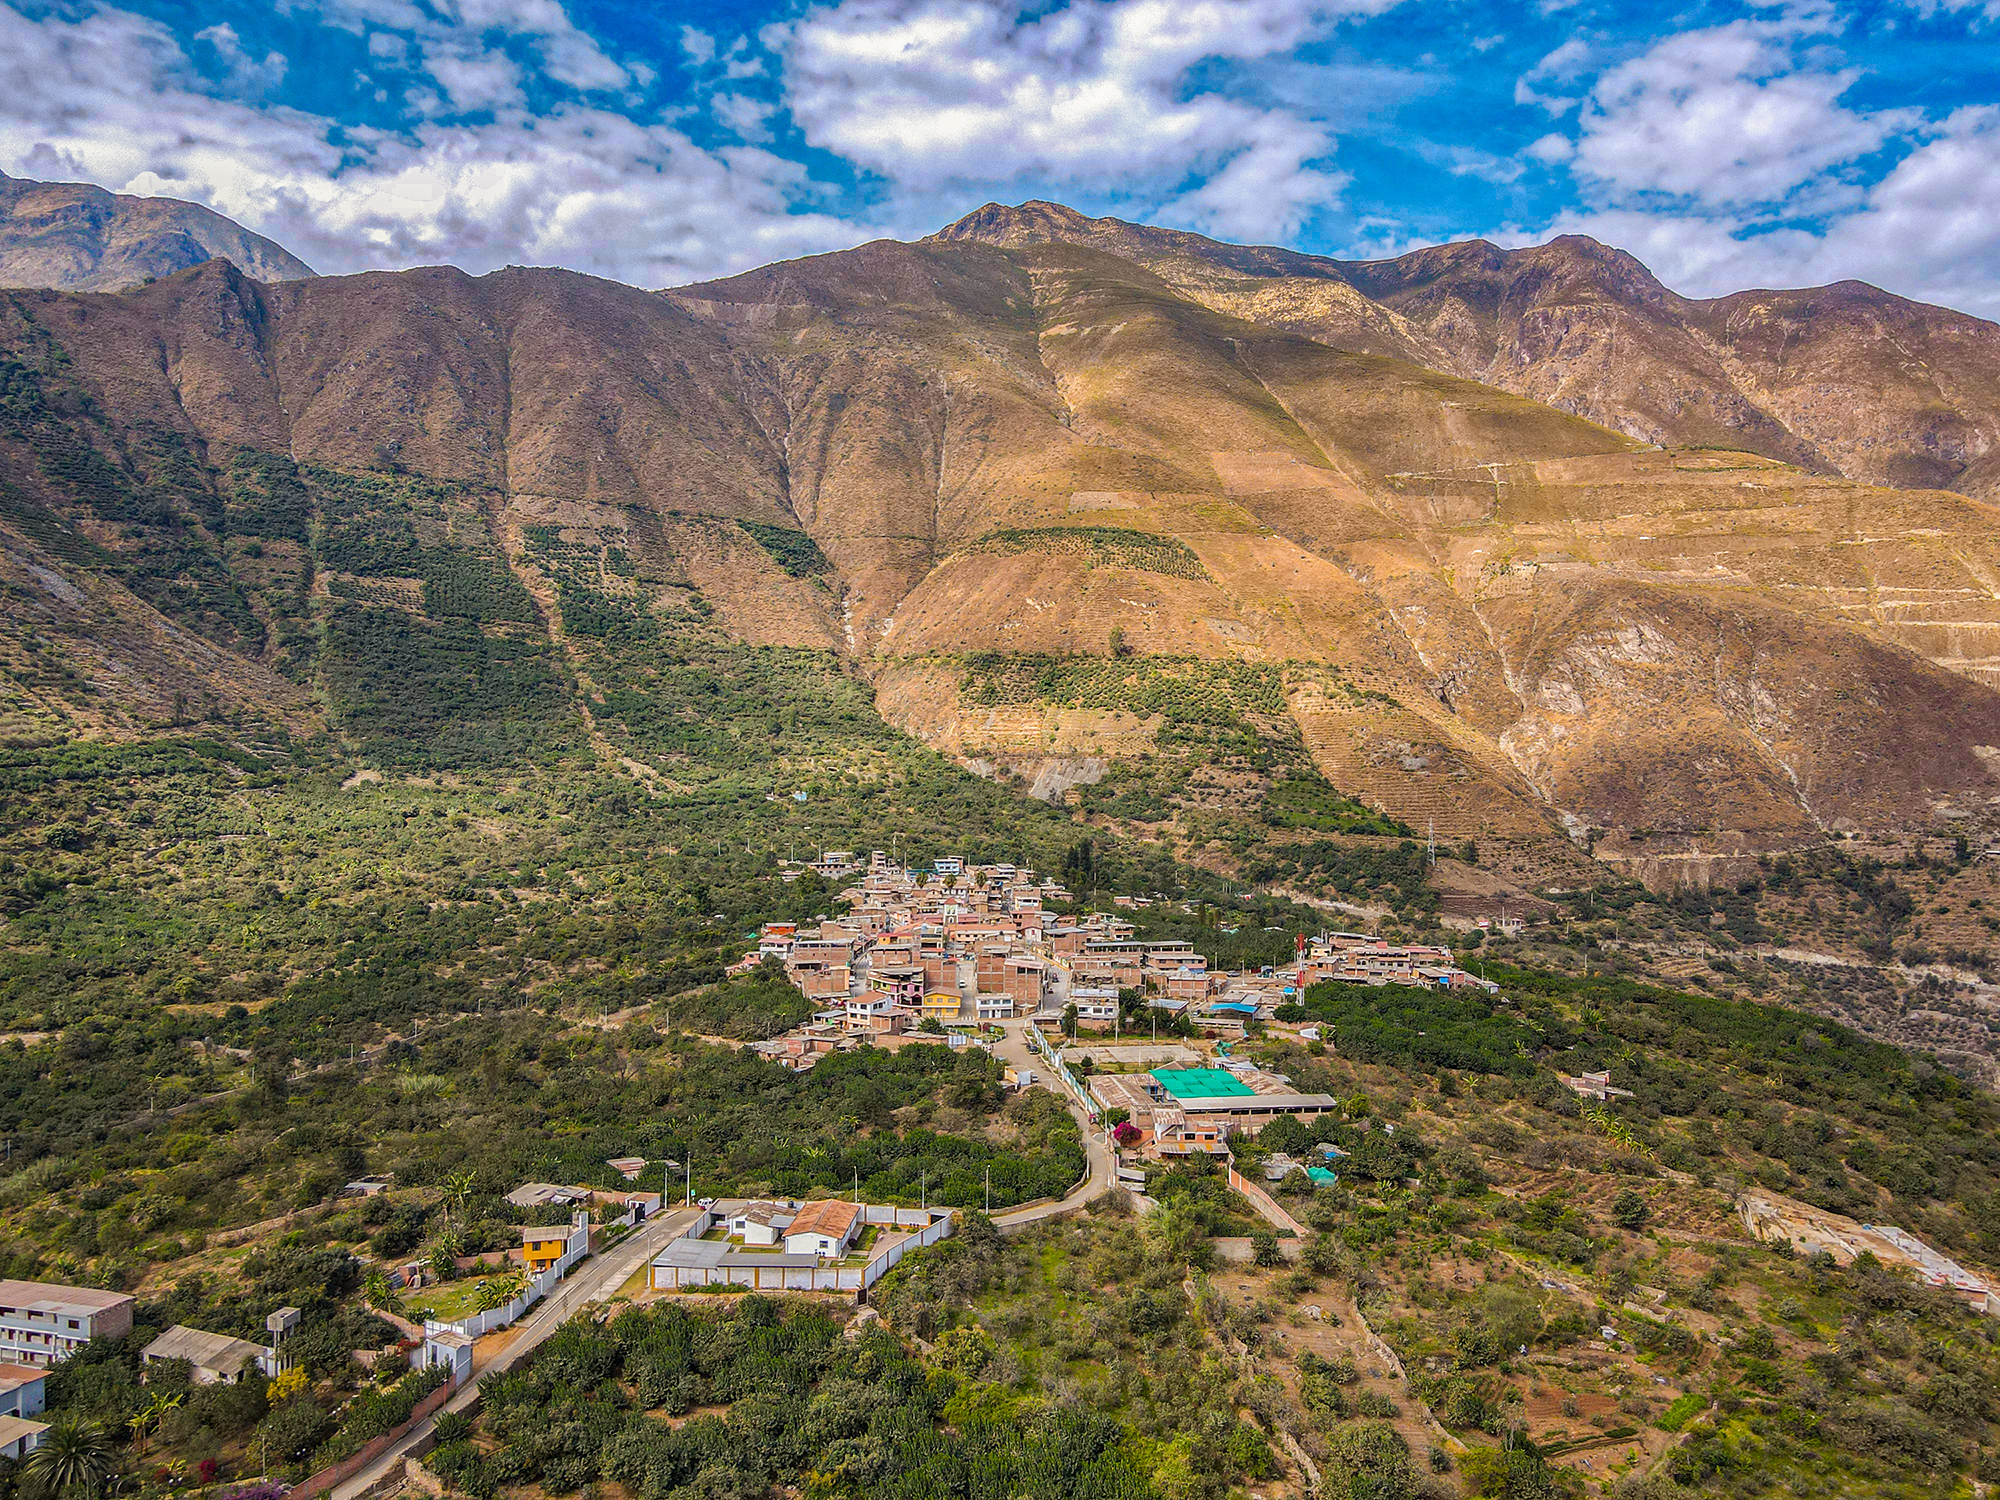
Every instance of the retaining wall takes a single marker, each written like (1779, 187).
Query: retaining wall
(374, 1448)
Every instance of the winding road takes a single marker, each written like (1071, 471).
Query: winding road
(594, 1280)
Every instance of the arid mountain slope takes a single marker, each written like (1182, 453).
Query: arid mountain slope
(1051, 501)
(1843, 379)
(78, 237)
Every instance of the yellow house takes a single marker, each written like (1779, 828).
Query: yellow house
(941, 1005)
(542, 1245)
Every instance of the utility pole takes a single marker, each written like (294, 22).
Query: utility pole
(989, 1189)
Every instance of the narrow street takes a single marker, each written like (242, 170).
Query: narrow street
(594, 1280)
(1014, 1051)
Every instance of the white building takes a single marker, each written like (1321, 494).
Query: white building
(22, 1389)
(1093, 1004)
(761, 1223)
(42, 1322)
(20, 1437)
(825, 1228)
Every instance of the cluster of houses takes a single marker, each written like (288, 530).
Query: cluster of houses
(897, 958)
(43, 1323)
(1357, 958)
(977, 944)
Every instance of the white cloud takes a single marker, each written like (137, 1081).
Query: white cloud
(110, 97)
(1726, 158)
(1988, 10)
(1727, 117)
(1563, 66)
(1097, 95)
(743, 116)
(1929, 230)
(246, 75)
(698, 45)
(1552, 149)
(452, 36)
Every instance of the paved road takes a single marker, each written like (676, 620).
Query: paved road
(595, 1280)
(1013, 1049)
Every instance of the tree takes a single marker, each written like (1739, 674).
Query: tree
(147, 1418)
(1265, 1248)
(1069, 1020)
(457, 1192)
(379, 1293)
(293, 1430)
(1629, 1210)
(443, 1263)
(76, 1459)
(497, 1291)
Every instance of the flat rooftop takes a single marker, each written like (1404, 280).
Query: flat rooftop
(1201, 1083)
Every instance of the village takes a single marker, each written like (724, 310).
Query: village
(974, 955)
(1140, 1037)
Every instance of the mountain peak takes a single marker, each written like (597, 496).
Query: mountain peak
(1035, 222)
(76, 236)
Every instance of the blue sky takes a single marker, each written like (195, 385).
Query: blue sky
(1725, 145)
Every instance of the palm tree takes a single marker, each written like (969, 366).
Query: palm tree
(147, 1418)
(457, 1190)
(75, 1459)
(380, 1294)
(498, 1291)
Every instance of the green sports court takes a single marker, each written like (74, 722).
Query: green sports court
(1201, 1083)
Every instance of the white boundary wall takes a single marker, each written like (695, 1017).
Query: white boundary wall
(929, 1228)
(574, 1250)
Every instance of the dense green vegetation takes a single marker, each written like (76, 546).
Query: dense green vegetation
(500, 1098)
(445, 693)
(1420, 1028)
(804, 1407)
(1313, 803)
(794, 551)
(1101, 547)
(1187, 693)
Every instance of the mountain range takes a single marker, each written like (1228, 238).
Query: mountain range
(1529, 549)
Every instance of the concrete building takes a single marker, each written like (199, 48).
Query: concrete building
(217, 1358)
(825, 1227)
(22, 1390)
(19, 1437)
(42, 1322)
(761, 1223)
(941, 1006)
(542, 1245)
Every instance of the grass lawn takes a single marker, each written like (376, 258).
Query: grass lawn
(447, 1303)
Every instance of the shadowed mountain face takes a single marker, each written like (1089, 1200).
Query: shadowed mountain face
(1078, 514)
(1842, 379)
(80, 238)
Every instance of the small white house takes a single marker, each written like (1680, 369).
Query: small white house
(21, 1390)
(19, 1437)
(761, 1223)
(217, 1359)
(446, 1346)
(825, 1228)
